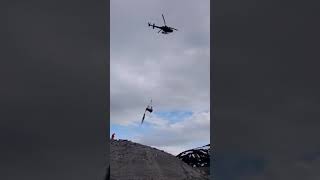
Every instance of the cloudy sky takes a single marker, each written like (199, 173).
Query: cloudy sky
(173, 70)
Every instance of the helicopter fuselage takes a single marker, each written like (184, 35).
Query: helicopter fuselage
(165, 29)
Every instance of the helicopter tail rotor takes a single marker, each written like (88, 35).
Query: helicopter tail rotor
(151, 25)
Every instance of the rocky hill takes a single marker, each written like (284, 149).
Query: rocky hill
(133, 161)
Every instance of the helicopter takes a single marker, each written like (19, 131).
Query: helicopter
(164, 29)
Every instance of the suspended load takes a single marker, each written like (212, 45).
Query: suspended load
(148, 109)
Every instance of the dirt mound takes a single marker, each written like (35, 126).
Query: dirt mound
(133, 161)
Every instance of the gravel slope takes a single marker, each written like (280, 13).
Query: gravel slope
(133, 161)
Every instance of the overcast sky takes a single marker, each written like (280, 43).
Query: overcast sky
(173, 70)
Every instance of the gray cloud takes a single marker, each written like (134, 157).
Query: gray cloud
(173, 69)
